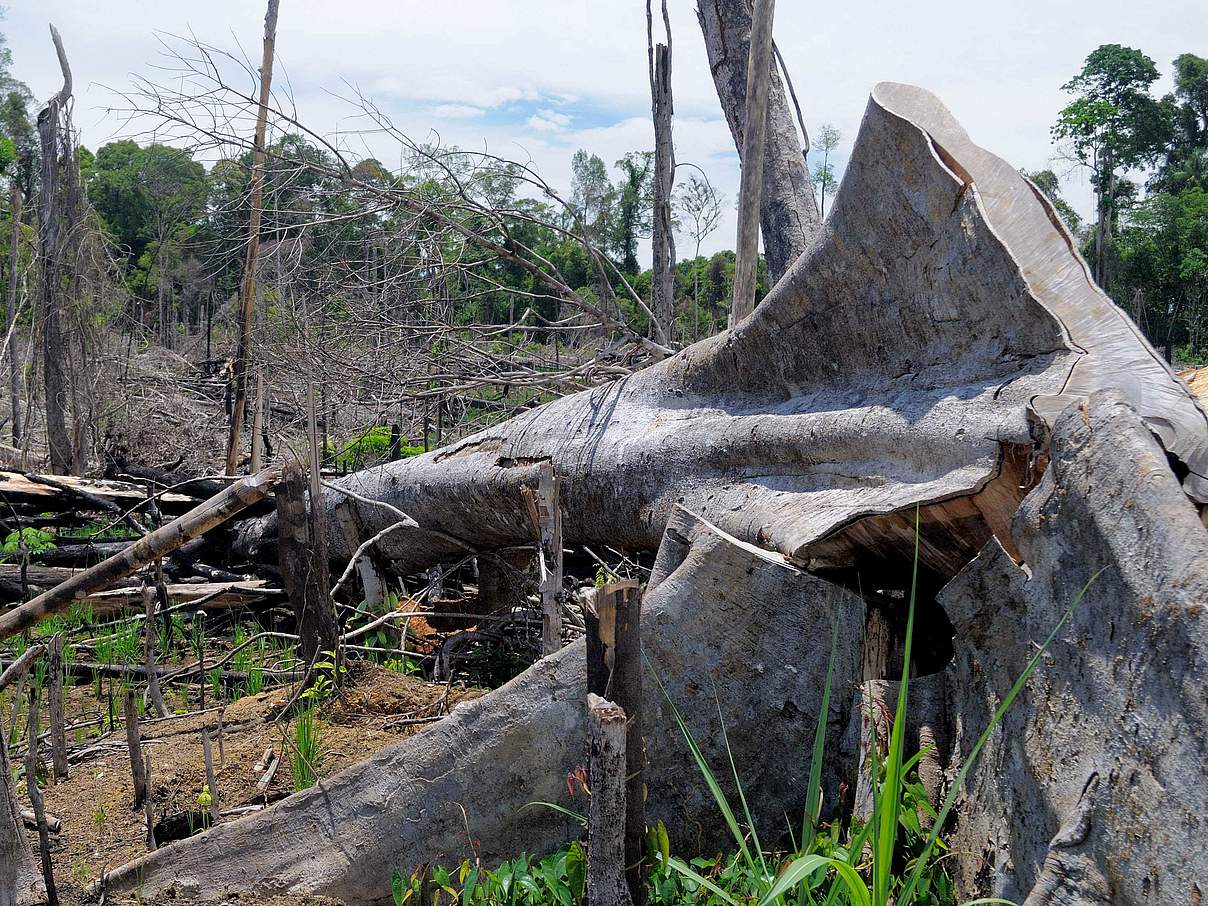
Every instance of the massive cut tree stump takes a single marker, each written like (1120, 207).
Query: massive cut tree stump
(704, 618)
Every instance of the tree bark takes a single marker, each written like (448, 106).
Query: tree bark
(788, 211)
(134, 747)
(247, 291)
(663, 236)
(20, 882)
(58, 734)
(303, 565)
(50, 256)
(35, 800)
(10, 320)
(754, 139)
(708, 605)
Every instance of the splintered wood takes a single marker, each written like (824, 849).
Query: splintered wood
(546, 515)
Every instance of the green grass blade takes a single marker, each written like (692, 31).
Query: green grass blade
(891, 794)
(1008, 699)
(704, 882)
(719, 795)
(742, 796)
(813, 795)
(802, 868)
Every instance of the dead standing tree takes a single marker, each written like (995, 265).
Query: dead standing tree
(56, 154)
(662, 293)
(247, 291)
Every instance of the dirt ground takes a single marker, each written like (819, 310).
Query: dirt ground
(101, 830)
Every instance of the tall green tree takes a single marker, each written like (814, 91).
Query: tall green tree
(1113, 125)
(635, 206)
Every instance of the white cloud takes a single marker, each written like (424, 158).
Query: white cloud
(456, 111)
(549, 121)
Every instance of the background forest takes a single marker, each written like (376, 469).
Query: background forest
(423, 302)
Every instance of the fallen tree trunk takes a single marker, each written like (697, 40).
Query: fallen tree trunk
(705, 612)
(916, 355)
(159, 543)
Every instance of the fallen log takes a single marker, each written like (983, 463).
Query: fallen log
(708, 603)
(67, 491)
(159, 543)
(916, 354)
(211, 595)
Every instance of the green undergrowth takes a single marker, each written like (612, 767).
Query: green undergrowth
(896, 857)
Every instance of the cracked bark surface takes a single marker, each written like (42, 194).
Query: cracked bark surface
(704, 617)
(1121, 697)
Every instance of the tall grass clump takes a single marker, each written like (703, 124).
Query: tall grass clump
(307, 752)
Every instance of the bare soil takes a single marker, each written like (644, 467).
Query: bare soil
(100, 828)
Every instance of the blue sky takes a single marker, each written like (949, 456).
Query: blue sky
(536, 79)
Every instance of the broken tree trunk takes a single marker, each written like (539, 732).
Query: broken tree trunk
(51, 233)
(1121, 693)
(708, 604)
(303, 563)
(10, 320)
(58, 734)
(814, 428)
(545, 510)
(215, 511)
(251, 260)
(759, 74)
(662, 239)
(21, 883)
(606, 875)
(788, 211)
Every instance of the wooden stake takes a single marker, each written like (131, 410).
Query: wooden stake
(258, 425)
(58, 735)
(150, 641)
(134, 746)
(759, 64)
(221, 749)
(159, 543)
(211, 782)
(614, 661)
(147, 803)
(606, 875)
(247, 291)
(35, 800)
(546, 514)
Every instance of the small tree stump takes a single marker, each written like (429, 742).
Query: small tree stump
(606, 875)
(134, 744)
(150, 642)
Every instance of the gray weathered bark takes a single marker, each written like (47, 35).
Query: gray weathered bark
(606, 884)
(788, 211)
(1121, 696)
(662, 239)
(707, 606)
(20, 880)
